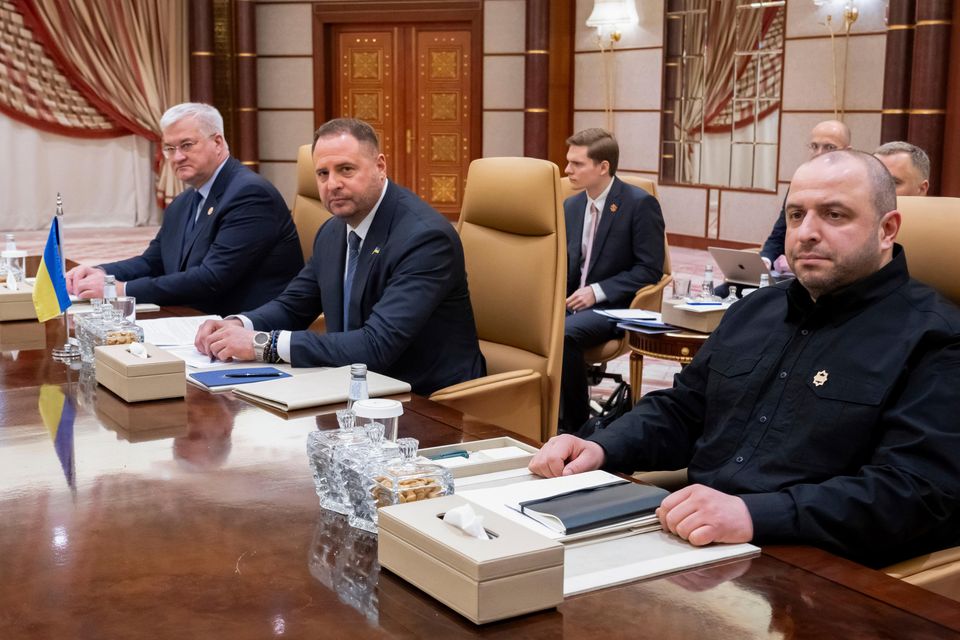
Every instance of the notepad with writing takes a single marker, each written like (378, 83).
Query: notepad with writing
(315, 389)
(596, 507)
(231, 377)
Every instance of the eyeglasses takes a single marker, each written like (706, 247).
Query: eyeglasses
(185, 147)
(821, 148)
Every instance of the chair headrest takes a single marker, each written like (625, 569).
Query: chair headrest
(306, 174)
(515, 195)
(928, 233)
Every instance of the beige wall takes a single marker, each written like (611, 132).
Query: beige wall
(285, 87)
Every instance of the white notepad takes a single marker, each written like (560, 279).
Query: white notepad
(316, 389)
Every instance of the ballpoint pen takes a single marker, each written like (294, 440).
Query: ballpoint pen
(459, 453)
(271, 374)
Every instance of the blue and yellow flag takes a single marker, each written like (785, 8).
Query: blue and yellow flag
(57, 413)
(50, 297)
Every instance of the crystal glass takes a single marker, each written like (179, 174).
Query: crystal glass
(410, 479)
(127, 306)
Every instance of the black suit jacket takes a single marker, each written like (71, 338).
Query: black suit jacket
(628, 248)
(242, 252)
(410, 312)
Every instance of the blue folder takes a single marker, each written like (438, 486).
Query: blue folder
(218, 378)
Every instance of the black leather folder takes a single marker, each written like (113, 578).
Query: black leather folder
(595, 507)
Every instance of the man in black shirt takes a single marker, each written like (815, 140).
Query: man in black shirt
(822, 410)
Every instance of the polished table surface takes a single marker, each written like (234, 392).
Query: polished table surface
(198, 519)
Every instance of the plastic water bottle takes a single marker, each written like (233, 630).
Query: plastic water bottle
(764, 280)
(11, 244)
(358, 384)
(706, 289)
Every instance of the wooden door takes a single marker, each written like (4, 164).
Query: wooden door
(413, 84)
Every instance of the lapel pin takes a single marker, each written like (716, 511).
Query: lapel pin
(210, 211)
(375, 251)
(613, 208)
(820, 378)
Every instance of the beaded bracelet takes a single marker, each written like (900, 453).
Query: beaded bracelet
(274, 355)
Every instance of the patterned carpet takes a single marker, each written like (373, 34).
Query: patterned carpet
(95, 246)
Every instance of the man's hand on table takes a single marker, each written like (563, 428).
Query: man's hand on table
(701, 515)
(565, 455)
(225, 340)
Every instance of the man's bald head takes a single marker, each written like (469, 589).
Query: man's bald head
(829, 135)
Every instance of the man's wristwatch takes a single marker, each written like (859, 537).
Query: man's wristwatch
(260, 341)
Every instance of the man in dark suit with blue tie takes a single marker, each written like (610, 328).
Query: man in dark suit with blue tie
(614, 247)
(226, 244)
(387, 272)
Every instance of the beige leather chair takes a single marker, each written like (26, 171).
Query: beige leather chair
(929, 239)
(308, 213)
(512, 230)
(649, 297)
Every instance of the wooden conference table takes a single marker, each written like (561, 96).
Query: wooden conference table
(198, 519)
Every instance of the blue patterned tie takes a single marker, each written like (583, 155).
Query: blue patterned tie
(353, 254)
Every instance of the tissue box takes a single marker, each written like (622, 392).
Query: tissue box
(141, 422)
(17, 305)
(134, 379)
(517, 571)
(470, 467)
(702, 321)
(22, 335)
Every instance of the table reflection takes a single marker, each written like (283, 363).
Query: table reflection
(344, 559)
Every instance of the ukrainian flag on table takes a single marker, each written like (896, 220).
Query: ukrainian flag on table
(50, 297)
(57, 413)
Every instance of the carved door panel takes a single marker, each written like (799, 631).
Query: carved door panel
(413, 85)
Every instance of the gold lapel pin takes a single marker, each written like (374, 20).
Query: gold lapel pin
(613, 208)
(210, 211)
(375, 251)
(820, 378)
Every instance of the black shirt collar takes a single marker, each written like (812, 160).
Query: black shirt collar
(839, 306)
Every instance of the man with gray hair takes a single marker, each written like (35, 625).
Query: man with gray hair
(823, 409)
(226, 244)
(909, 166)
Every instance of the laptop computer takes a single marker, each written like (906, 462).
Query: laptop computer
(741, 266)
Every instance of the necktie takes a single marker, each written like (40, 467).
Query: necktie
(353, 255)
(587, 249)
(192, 219)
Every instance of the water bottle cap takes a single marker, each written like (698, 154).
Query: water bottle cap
(357, 370)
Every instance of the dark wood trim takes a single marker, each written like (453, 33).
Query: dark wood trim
(518, 109)
(706, 214)
(950, 175)
(560, 116)
(299, 109)
(245, 115)
(201, 39)
(875, 584)
(719, 209)
(682, 185)
(536, 80)
(701, 243)
(830, 111)
(518, 54)
(628, 169)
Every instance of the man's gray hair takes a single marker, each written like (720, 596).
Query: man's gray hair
(208, 118)
(918, 156)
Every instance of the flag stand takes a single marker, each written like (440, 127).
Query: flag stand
(70, 349)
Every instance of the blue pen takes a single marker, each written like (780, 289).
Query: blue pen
(459, 453)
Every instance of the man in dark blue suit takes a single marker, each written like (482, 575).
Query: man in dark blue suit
(387, 272)
(614, 247)
(225, 245)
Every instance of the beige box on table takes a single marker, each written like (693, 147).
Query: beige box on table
(517, 571)
(17, 305)
(22, 335)
(490, 466)
(704, 322)
(161, 375)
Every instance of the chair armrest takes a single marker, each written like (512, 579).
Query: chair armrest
(650, 297)
(938, 572)
(510, 400)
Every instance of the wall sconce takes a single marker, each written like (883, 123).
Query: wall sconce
(609, 16)
(847, 13)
